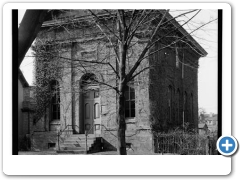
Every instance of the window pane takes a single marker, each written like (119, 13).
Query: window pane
(127, 94)
(132, 95)
(55, 100)
(127, 105)
(132, 104)
(58, 115)
(126, 113)
(96, 110)
(54, 108)
(54, 115)
(132, 112)
(96, 93)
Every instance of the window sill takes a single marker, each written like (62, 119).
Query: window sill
(130, 120)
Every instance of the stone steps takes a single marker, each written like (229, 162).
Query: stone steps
(78, 141)
(76, 144)
(72, 152)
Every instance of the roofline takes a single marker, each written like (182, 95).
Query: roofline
(188, 36)
(202, 53)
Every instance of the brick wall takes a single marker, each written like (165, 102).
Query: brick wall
(169, 83)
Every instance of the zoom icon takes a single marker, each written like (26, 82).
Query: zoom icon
(227, 145)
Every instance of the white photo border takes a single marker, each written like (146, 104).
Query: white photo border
(111, 165)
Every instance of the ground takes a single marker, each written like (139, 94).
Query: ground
(99, 153)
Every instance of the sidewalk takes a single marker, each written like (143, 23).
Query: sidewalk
(98, 153)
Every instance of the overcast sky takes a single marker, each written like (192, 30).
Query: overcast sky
(207, 79)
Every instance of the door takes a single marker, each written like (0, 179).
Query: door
(92, 111)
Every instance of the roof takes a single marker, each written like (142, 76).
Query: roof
(188, 36)
(22, 79)
(202, 125)
(214, 118)
(82, 17)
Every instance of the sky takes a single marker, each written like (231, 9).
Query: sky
(207, 77)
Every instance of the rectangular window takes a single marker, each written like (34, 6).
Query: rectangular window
(130, 102)
(55, 100)
(177, 57)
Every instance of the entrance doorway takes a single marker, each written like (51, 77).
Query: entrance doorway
(90, 119)
(91, 110)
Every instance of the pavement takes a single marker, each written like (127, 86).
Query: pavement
(98, 153)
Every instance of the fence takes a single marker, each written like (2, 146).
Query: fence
(184, 144)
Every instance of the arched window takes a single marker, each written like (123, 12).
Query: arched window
(130, 101)
(170, 91)
(178, 105)
(191, 108)
(55, 100)
(185, 103)
(96, 111)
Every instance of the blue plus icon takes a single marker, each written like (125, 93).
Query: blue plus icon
(227, 145)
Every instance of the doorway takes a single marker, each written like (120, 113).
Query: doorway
(90, 119)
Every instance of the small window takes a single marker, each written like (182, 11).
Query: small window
(185, 107)
(170, 92)
(177, 57)
(178, 105)
(96, 93)
(97, 127)
(191, 108)
(130, 102)
(96, 111)
(55, 100)
(51, 145)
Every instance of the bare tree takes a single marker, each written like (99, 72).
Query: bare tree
(120, 32)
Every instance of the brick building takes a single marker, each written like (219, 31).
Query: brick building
(159, 99)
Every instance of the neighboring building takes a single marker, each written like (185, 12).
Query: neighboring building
(212, 122)
(22, 83)
(25, 111)
(162, 98)
(203, 129)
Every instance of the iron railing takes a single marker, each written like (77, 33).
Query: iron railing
(185, 144)
(60, 132)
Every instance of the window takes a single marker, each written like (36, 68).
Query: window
(177, 57)
(191, 108)
(178, 105)
(96, 93)
(55, 100)
(185, 107)
(96, 111)
(130, 102)
(170, 103)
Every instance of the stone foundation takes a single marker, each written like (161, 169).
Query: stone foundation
(139, 142)
(44, 141)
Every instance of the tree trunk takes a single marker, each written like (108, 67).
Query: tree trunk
(121, 124)
(122, 47)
